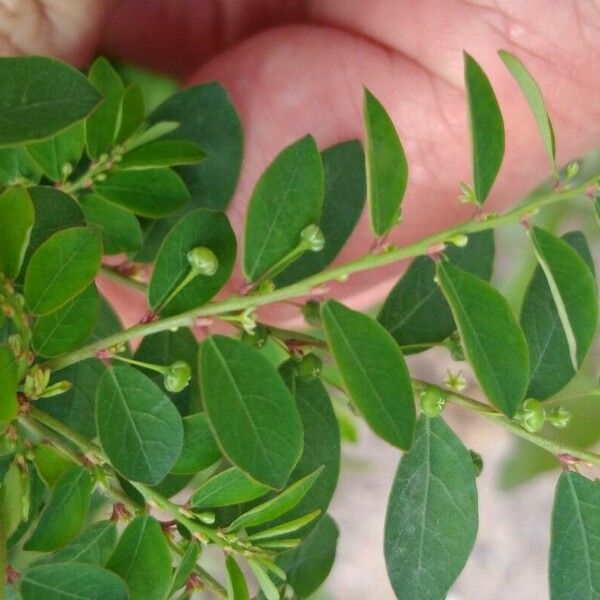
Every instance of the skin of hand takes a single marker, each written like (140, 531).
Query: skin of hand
(298, 66)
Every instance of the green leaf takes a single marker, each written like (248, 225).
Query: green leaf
(41, 96)
(344, 199)
(151, 133)
(133, 112)
(72, 581)
(228, 487)
(237, 589)
(9, 376)
(200, 228)
(51, 465)
(387, 169)
(17, 167)
(551, 366)
(62, 267)
(150, 193)
(284, 528)
(119, 229)
(93, 546)
(185, 567)
(164, 348)
(487, 129)
(200, 450)
(308, 566)
(76, 407)
(321, 444)
(16, 223)
(208, 118)
(265, 583)
(574, 548)
(12, 497)
(278, 505)
(138, 426)
(163, 153)
(65, 514)
(287, 198)
(534, 98)
(142, 559)
(58, 155)
(54, 210)
(493, 342)
(573, 290)
(374, 372)
(431, 521)
(415, 311)
(32, 494)
(250, 409)
(103, 125)
(68, 327)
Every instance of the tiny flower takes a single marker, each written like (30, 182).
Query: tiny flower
(455, 381)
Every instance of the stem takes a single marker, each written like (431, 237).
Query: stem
(138, 363)
(114, 275)
(96, 168)
(493, 415)
(192, 274)
(283, 263)
(302, 288)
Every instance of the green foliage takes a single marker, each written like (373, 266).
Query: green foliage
(235, 441)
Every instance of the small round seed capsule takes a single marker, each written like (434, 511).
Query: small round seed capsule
(314, 237)
(311, 312)
(177, 376)
(203, 260)
(309, 367)
(432, 402)
(532, 415)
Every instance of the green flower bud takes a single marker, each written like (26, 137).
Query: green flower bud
(309, 367)
(572, 170)
(531, 415)
(432, 402)
(314, 238)
(203, 260)
(258, 338)
(559, 417)
(177, 376)
(56, 389)
(311, 312)
(477, 462)
(460, 240)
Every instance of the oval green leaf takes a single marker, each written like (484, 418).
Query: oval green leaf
(373, 371)
(200, 450)
(207, 117)
(138, 426)
(16, 223)
(344, 199)
(162, 153)
(237, 588)
(185, 567)
(574, 548)
(133, 112)
(551, 366)
(17, 167)
(9, 376)
(251, 411)
(387, 169)
(573, 290)
(200, 228)
(152, 193)
(492, 339)
(72, 581)
(487, 129)
(431, 522)
(287, 198)
(65, 514)
(415, 311)
(228, 487)
(534, 98)
(41, 96)
(119, 229)
(68, 327)
(58, 155)
(62, 267)
(278, 505)
(143, 560)
(102, 126)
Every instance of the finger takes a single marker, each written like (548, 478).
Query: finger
(62, 28)
(177, 35)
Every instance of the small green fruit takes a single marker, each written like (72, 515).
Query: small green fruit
(432, 402)
(559, 417)
(314, 238)
(203, 260)
(531, 415)
(309, 367)
(311, 312)
(177, 376)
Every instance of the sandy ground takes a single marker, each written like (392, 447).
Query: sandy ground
(509, 561)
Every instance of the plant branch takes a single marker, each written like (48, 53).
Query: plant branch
(303, 288)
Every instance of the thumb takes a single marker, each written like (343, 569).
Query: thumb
(61, 28)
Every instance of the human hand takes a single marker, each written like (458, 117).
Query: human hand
(295, 66)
